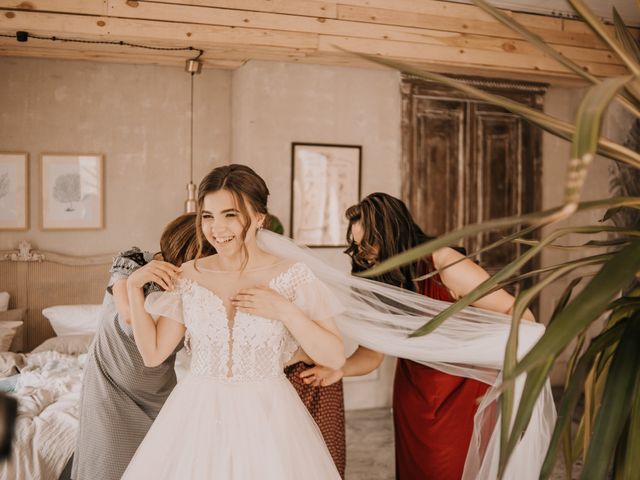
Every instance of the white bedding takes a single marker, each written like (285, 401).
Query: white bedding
(48, 392)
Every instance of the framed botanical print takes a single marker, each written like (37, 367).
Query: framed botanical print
(14, 191)
(325, 182)
(72, 191)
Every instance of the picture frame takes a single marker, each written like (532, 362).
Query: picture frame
(72, 191)
(325, 181)
(14, 191)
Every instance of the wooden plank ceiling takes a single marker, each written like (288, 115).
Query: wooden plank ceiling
(442, 35)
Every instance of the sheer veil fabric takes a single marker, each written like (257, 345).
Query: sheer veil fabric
(469, 344)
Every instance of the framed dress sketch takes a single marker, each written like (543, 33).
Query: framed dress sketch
(325, 182)
(72, 191)
(14, 191)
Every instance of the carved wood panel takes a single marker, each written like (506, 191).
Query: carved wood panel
(466, 161)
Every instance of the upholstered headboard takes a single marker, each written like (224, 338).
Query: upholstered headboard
(36, 280)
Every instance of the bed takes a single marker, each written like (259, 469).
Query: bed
(46, 381)
(48, 390)
(45, 375)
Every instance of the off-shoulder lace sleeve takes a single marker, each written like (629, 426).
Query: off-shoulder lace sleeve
(312, 296)
(166, 304)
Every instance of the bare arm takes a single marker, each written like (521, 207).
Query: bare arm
(321, 340)
(463, 277)
(361, 362)
(121, 300)
(155, 340)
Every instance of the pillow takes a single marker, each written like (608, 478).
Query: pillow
(73, 319)
(4, 301)
(15, 315)
(8, 330)
(68, 344)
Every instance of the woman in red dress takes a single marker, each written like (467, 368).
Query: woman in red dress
(433, 411)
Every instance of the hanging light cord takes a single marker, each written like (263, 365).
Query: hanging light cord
(22, 36)
(191, 134)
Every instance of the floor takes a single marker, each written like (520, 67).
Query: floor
(370, 447)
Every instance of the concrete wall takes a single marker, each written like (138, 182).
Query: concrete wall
(137, 116)
(274, 104)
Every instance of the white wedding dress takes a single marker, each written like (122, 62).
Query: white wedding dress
(235, 415)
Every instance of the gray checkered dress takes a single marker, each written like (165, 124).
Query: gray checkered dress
(120, 396)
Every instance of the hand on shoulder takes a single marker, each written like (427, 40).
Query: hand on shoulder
(163, 273)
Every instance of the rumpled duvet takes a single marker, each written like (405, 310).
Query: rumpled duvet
(48, 392)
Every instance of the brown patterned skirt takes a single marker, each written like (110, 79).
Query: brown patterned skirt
(326, 405)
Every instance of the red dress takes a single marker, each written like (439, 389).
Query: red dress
(433, 413)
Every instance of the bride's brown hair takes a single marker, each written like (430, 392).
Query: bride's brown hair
(246, 186)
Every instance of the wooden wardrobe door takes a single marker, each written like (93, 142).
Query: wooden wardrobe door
(439, 130)
(496, 162)
(466, 161)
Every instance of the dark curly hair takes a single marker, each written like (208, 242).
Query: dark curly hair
(389, 229)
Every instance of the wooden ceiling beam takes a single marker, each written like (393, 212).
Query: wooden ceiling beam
(453, 55)
(79, 7)
(419, 32)
(304, 8)
(112, 57)
(180, 34)
(488, 26)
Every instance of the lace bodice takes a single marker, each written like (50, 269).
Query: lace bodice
(249, 347)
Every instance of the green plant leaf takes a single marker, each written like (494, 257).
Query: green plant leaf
(535, 40)
(601, 30)
(574, 264)
(535, 382)
(594, 389)
(576, 451)
(587, 306)
(614, 242)
(573, 391)
(588, 126)
(625, 302)
(590, 112)
(486, 248)
(624, 36)
(541, 45)
(506, 407)
(536, 378)
(490, 283)
(624, 311)
(547, 122)
(451, 238)
(564, 298)
(616, 403)
(610, 213)
(630, 467)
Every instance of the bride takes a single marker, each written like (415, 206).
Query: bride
(263, 302)
(246, 314)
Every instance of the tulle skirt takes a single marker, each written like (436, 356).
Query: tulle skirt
(212, 429)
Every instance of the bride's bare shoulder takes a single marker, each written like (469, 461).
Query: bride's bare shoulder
(193, 267)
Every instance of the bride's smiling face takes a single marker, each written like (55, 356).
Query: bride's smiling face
(223, 223)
